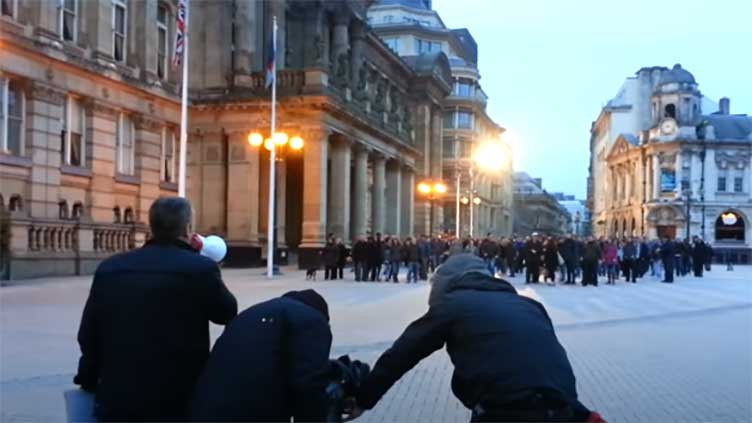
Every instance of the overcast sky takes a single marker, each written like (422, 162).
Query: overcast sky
(549, 65)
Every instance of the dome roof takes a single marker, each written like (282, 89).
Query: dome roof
(677, 74)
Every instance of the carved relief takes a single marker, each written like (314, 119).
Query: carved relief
(147, 123)
(47, 93)
(732, 159)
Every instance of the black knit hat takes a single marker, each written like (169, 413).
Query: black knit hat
(312, 299)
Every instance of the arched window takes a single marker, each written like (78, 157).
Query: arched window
(62, 210)
(116, 213)
(128, 215)
(78, 210)
(670, 111)
(16, 203)
(729, 226)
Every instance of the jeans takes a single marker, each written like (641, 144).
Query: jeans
(387, 270)
(412, 270)
(361, 271)
(394, 271)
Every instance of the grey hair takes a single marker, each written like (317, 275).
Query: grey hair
(169, 218)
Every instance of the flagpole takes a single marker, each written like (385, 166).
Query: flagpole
(184, 109)
(272, 158)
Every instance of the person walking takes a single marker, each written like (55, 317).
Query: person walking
(610, 261)
(630, 263)
(668, 256)
(591, 255)
(568, 251)
(330, 257)
(698, 257)
(412, 257)
(395, 257)
(550, 260)
(360, 259)
(341, 258)
(533, 257)
(424, 257)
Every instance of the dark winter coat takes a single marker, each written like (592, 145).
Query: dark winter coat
(629, 251)
(533, 252)
(341, 255)
(667, 251)
(360, 251)
(699, 253)
(375, 253)
(144, 333)
(591, 253)
(500, 343)
(569, 251)
(551, 255)
(410, 252)
(330, 255)
(269, 365)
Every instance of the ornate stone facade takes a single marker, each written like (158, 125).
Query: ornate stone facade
(678, 166)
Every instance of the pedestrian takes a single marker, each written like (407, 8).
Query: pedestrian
(508, 363)
(270, 364)
(550, 260)
(412, 257)
(375, 258)
(341, 258)
(591, 256)
(395, 257)
(708, 256)
(533, 258)
(330, 257)
(144, 333)
(510, 255)
(360, 259)
(668, 255)
(698, 257)
(629, 254)
(424, 257)
(568, 251)
(610, 261)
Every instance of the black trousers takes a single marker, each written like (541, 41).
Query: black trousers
(532, 274)
(630, 270)
(668, 267)
(375, 272)
(330, 272)
(571, 272)
(698, 267)
(589, 273)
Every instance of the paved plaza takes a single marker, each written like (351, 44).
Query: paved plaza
(645, 352)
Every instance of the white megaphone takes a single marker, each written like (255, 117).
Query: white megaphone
(211, 246)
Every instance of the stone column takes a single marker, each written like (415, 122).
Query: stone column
(244, 24)
(656, 178)
(341, 35)
(377, 198)
(338, 211)
(315, 155)
(408, 198)
(281, 196)
(360, 191)
(393, 197)
(242, 192)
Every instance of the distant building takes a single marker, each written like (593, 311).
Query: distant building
(536, 210)
(413, 30)
(668, 162)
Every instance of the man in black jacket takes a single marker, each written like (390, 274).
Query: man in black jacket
(668, 253)
(270, 364)
(508, 363)
(533, 254)
(144, 332)
(360, 259)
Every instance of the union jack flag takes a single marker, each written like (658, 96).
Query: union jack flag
(179, 34)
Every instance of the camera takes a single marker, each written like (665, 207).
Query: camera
(345, 376)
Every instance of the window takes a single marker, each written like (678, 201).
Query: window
(684, 184)
(465, 120)
(426, 46)
(393, 43)
(68, 24)
(62, 210)
(162, 40)
(125, 150)
(119, 25)
(449, 148)
(388, 18)
(73, 139)
(448, 120)
(670, 111)
(464, 87)
(168, 155)
(11, 117)
(8, 8)
(738, 184)
(721, 184)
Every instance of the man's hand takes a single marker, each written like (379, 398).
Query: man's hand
(352, 411)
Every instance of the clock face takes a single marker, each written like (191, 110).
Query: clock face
(668, 127)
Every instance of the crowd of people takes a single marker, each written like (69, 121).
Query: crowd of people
(567, 259)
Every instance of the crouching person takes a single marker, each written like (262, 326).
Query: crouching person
(509, 365)
(270, 364)
(144, 332)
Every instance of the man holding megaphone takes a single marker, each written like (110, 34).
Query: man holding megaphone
(144, 332)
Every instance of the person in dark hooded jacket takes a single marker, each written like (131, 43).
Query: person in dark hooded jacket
(508, 363)
(270, 364)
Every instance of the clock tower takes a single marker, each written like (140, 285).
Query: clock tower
(675, 101)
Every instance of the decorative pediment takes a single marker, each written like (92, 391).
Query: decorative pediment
(734, 159)
(620, 148)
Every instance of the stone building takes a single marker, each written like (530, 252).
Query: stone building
(91, 109)
(413, 30)
(536, 210)
(668, 162)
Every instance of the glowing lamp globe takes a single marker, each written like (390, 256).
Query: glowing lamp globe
(255, 139)
(424, 188)
(269, 144)
(280, 138)
(729, 219)
(440, 188)
(296, 143)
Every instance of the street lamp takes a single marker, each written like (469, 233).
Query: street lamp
(432, 189)
(275, 144)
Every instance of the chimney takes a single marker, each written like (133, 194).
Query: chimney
(724, 106)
